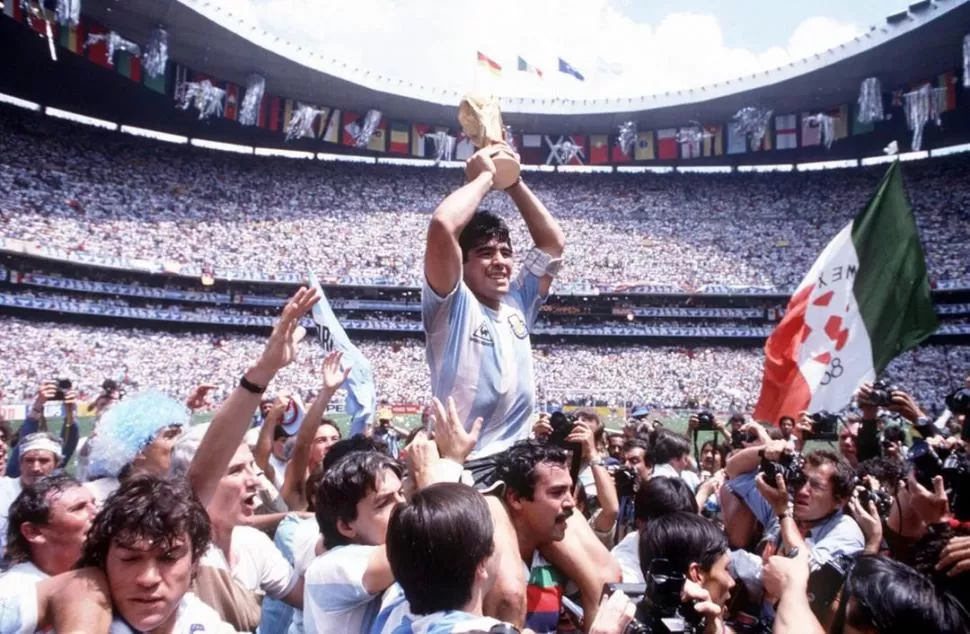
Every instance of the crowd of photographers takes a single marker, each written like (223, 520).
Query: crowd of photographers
(839, 522)
(84, 189)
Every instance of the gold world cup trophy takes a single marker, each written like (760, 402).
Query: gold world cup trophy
(481, 120)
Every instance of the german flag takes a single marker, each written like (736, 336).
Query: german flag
(489, 64)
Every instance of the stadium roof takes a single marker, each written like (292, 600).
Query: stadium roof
(911, 45)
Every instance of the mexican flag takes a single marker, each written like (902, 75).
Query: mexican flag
(865, 301)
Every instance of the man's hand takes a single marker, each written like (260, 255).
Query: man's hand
(701, 599)
(454, 443)
(199, 399)
(776, 496)
(280, 350)
(422, 456)
(614, 614)
(931, 507)
(761, 432)
(774, 449)
(47, 392)
(70, 400)
(868, 520)
(955, 556)
(583, 436)
(480, 163)
(906, 406)
(805, 423)
(864, 398)
(786, 574)
(542, 429)
(333, 376)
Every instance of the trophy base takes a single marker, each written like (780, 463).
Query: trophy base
(507, 168)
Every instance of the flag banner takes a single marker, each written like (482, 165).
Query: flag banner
(526, 67)
(566, 67)
(714, 140)
(288, 107)
(71, 37)
(421, 146)
(464, 147)
(331, 133)
(531, 151)
(98, 52)
(948, 81)
(321, 121)
(616, 152)
(361, 393)
(399, 138)
(531, 140)
(811, 131)
(644, 150)
(274, 114)
(378, 140)
(158, 83)
(857, 127)
(558, 154)
(667, 144)
(737, 141)
(231, 109)
(351, 123)
(489, 64)
(766, 140)
(786, 133)
(128, 65)
(599, 149)
(690, 149)
(181, 77)
(840, 121)
(860, 306)
(12, 9)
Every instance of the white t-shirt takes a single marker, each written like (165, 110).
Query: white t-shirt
(449, 622)
(279, 471)
(334, 598)
(304, 552)
(260, 567)
(10, 488)
(689, 477)
(194, 616)
(627, 554)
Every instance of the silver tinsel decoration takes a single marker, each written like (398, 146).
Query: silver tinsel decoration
(826, 126)
(510, 138)
(870, 101)
(693, 132)
(68, 12)
(444, 146)
(114, 44)
(565, 151)
(249, 111)
(363, 133)
(627, 138)
(753, 123)
(923, 105)
(156, 53)
(204, 97)
(966, 60)
(301, 123)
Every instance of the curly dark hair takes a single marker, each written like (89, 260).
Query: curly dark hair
(887, 471)
(516, 467)
(483, 227)
(151, 508)
(33, 505)
(345, 484)
(843, 480)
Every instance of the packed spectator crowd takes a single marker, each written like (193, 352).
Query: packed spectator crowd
(78, 188)
(663, 377)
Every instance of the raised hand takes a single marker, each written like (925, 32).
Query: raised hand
(199, 399)
(333, 375)
(454, 443)
(479, 163)
(280, 350)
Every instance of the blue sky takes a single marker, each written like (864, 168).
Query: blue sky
(656, 45)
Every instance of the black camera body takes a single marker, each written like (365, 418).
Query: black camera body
(925, 461)
(791, 466)
(63, 387)
(562, 426)
(659, 606)
(625, 478)
(882, 500)
(956, 475)
(959, 401)
(739, 438)
(882, 393)
(705, 421)
(825, 426)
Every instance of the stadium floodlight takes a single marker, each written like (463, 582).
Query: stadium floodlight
(222, 147)
(154, 134)
(17, 101)
(272, 151)
(659, 169)
(344, 158)
(951, 149)
(759, 169)
(538, 168)
(826, 165)
(79, 118)
(586, 169)
(392, 160)
(705, 169)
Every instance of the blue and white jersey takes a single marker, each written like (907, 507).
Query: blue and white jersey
(450, 622)
(483, 358)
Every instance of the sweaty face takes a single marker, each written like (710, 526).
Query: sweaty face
(636, 458)
(816, 500)
(234, 501)
(326, 437)
(157, 454)
(36, 464)
(545, 515)
(71, 514)
(374, 511)
(488, 270)
(718, 580)
(147, 582)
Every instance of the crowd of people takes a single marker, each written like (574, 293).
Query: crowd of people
(659, 376)
(79, 188)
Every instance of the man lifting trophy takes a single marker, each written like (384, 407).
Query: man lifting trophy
(481, 120)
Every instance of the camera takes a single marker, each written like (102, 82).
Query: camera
(660, 609)
(739, 438)
(63, 386)
(791, 466)
(959, 401)
(705, 421)
(956, 474)
(625, 479)
(562, 425)
(825, 426)
(882, 394)
(882, 500)
(926, 463)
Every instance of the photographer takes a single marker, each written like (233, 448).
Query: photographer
(40, 453)
(36, 421)
(819, 491)
(603, 520)
(871, 397)
(636, 455)
(671, 457)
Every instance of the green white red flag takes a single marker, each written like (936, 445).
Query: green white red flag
(865, 301)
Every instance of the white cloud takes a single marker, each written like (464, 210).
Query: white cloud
(433, 43)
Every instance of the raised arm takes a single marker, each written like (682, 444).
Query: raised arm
(264, 443)
(233, 418)
(442, 256)
(545, 231)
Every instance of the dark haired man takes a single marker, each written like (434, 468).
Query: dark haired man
(671, 457)
(636, 454)
(39, 454)
(49, 521)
